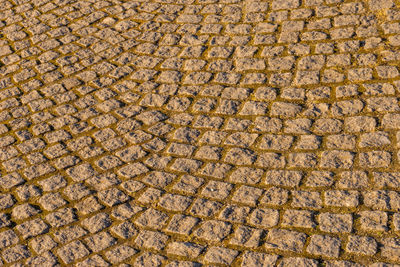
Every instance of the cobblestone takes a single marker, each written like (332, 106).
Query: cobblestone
(285, 240)
(324, 245)
(192, 132)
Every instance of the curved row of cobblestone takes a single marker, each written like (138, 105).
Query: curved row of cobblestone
(199, 132)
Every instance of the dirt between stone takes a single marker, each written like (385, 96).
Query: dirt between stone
(187, 133)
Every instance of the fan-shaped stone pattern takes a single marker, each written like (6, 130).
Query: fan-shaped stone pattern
(199, 132)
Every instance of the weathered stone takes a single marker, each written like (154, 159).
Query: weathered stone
(258, 259)
(265, 218)
(353, 180)
(298, 219)
(190, 133)
(283, 178)
(324, 245)
(275, 196)
(336, 159)
(220, 255)
(364, 245)
(306, 199)
(373, 220)
(341, 198)
(391, 248)
(285, 240)
(375, 159)
(213, 230)
(335, 223)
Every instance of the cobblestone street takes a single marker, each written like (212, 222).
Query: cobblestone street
(187, 133)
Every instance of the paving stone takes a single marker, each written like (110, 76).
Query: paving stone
(298, 218)
(306, 199)
(174, 202)
(306, 78)
(100, 241)
(159, 179)
(390, 121)
(181, 224)
(235, 214)
(335, 223)
(185, 249)
(225, 125)
(308, 142)
(45, 258)
(61, 217)
(15, 253)
(151, 239)
(298, 261)
(373, 220)
(72, 252)
(327, 126)
(97, 222)
(24, 211)
(152, 218)
(360, 124)
(246, 237)
(111, 197)
(390, 248)
(246, 175)
(364, 245)
(285, 110)
(302, 160)
(204, 207)
(119, 253)
(220, 255)
(324, 245)
(32, 228)
(265, 124)
(375, 159)
(341, 198)
(342, 263)
(283, 178)
(7, 201)
(264, 217)
(276, 142)
(297, 126)
(286, 240)
(11, 180)
(247, 195)
(270, 160)
(353, 180)
(380, 199)
(258, 259)
(94, 260)
(213, 230)
(76, 191)
(275, 196)
(124, 230)
(125, 211)
(147, 259)
(320, 179)
(188, 184)
(379, 89)
(336, 159)
(69, 233)
(8, 238)
(281, 63)
(386, 179)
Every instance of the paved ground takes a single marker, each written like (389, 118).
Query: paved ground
(200, 132)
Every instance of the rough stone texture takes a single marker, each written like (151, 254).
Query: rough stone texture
(361, 245)
(285, 240)
(324, 245)
(199, 133)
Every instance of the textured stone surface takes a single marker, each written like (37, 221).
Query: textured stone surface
(199, 133)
